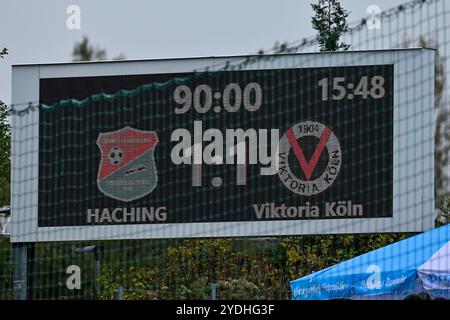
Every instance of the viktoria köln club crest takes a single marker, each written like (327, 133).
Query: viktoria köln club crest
(127, 167)
(310, 157)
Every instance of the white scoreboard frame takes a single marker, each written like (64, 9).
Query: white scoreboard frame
(413, 177)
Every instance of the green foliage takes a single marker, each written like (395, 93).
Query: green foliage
(330, 21)
(84, 51)
(238, 289)
(242, 269)
(49, 274)
(5, 154)
(185, 269)
(5, 150)
(309, 254)
(5, 168)
(6, 286)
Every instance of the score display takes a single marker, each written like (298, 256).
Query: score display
(243, 146)
(228, 146)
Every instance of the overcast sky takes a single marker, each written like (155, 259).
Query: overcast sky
(35, 31)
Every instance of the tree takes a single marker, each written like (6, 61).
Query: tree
(330, 21)
(84, 51)
(5, 154)
(5, 150)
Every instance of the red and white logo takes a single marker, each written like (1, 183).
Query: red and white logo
(310, 158)
(127, 168)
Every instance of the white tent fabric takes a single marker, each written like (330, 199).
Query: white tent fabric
(435, 273)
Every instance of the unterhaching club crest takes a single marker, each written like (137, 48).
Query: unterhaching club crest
(127, 168)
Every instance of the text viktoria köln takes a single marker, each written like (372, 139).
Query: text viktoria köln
(330, 209)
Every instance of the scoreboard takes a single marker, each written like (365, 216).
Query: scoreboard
(299, 144)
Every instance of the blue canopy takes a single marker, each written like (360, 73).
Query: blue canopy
(418, 264)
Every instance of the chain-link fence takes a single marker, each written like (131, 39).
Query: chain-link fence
(83, 170)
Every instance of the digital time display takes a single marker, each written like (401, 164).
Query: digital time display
(341, 88)
(231, 99)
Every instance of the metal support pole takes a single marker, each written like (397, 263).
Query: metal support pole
(213, 283)
(213, 291)
(119, 293)
(98, 250)
(23, 258)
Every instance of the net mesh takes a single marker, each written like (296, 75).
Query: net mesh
(241, 268)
